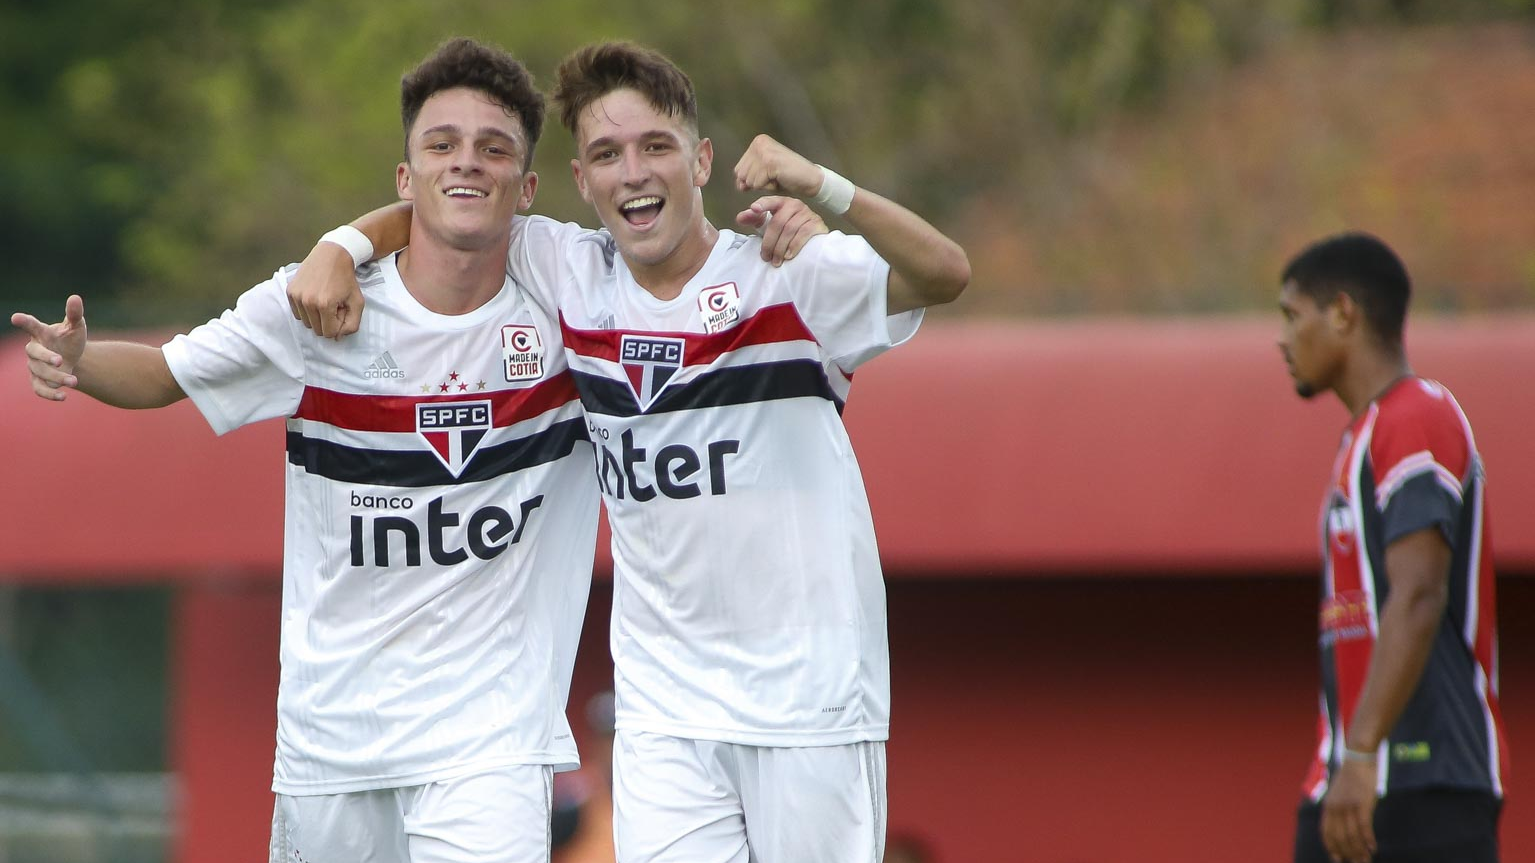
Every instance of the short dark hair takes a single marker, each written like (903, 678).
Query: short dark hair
(1366, 269)
(594, 71)
(492, 71)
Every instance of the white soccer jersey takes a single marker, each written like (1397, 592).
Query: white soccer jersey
(749, 604)
(440, 525)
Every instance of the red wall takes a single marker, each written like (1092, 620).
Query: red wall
(1099, 538)
(1041, 720)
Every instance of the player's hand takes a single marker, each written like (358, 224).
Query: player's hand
(1348, 813)
(324, 294)
(786, 225)
(769, 166)
(55, 349)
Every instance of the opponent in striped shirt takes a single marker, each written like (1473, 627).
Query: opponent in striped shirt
(1409, 709)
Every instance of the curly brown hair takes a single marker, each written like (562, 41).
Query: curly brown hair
(596, 70)
(467, 63)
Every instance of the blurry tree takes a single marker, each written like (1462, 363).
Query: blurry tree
(95, 127)
(175, 152)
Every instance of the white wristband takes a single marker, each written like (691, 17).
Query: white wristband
(1350, 754)
(354, 241)
(836, 193)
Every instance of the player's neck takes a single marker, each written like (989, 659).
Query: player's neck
(1369, 375)
(452, 281)
(665, 279)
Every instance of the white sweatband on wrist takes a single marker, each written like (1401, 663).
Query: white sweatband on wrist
(836, 193)
(354, 241)
(1356, 755)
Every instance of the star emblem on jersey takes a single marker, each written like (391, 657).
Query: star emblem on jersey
(522, 353)
(649, 362)
(453, 429)
(719, 306)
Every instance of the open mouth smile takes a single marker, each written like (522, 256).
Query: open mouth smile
(642, 211)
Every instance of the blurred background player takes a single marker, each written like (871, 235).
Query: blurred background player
(1409, 711)
(440, 515)
(589, 799)
(752, 671)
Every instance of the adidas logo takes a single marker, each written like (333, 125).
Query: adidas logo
(383, 366)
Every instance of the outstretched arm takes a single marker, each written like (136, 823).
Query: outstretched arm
(324, 293)
(926, 267)
(121, 374)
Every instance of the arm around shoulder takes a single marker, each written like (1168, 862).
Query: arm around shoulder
(324, 295)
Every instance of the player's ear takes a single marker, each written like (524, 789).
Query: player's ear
(402, 182)
(704, 162)
(575, 169)
(529, 188)
(1343, 313)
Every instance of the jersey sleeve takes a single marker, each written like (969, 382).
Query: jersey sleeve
(245, 365)
(538, 258)
(839, 285)
(1421, 459)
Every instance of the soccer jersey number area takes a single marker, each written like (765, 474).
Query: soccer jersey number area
(749, 605)
(440, 523)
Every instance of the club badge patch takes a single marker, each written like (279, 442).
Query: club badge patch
(719, 306)
(649, 363)
(522, 353)
(453, 429)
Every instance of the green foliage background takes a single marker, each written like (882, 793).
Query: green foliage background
(159, 156)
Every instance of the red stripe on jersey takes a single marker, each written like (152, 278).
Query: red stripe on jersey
(770, 325)
(373, 413)
(1347, 610)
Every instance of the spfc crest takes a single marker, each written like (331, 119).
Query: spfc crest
(649, 363)
(453, 429)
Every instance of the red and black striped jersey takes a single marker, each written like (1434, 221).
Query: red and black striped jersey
(1407, 463)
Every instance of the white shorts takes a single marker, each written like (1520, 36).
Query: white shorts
(677, 800)
(500, 816)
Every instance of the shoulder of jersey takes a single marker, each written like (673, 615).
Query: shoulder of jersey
(1420, 415)
(589, 240)
(370, 276)
(1420, 402)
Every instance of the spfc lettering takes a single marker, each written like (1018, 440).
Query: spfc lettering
(453, 430)
(649, 363)
(522, 353)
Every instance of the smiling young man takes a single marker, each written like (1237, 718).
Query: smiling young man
(1410, 762)
(440, 518)
(748, 632)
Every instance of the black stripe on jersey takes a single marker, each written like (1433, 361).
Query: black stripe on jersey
(421, 468)
(735, 385)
